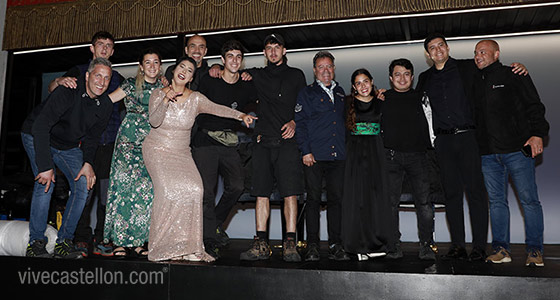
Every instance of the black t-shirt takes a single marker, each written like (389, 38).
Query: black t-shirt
(238, 95)
(403, 123)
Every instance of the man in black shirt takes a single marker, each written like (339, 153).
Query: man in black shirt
(215, 156)
(447, 84)
(64, 131)
(406, 140)
(102, 45)
(276, 155)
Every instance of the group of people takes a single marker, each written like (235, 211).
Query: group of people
(156, 195)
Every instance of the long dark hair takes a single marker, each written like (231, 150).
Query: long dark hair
(351, 111)
(189, 59)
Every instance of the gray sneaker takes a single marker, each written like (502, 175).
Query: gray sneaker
(426, 252)
(67, 250)
(37, 248)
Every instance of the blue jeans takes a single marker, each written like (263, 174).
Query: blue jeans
(70, 162)
(521, 169)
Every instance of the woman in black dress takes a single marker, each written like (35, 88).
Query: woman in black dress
(365, 209)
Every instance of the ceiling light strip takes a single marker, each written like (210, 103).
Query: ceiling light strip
(426, 14)
(502, 35)
(89, 44)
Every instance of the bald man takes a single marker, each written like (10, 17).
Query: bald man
(195, 49)
(510, 126)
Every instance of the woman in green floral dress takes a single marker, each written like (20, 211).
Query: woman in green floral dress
(130, 193)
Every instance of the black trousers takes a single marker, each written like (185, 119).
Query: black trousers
(415, 166)
(102, 164)
(460, 167)
(333, 173)
(214, 161)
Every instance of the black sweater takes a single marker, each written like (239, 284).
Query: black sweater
(403, 123)
(65, 119)
(508, 110)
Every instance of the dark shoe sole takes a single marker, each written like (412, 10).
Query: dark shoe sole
(254, 258)
(292, 258)
(78, 256)
(333, 257)
(312, 258)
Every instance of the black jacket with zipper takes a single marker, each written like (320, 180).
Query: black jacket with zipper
(508, 110)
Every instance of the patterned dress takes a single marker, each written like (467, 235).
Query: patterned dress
(176, 225)
(130, 195)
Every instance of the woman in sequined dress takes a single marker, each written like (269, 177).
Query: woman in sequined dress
(365, 208)
(130, 192)
(176, 225)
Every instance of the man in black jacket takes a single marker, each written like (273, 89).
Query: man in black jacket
(64, 132)
(449, 86)
(276, 156)
(510, 129)
(320, 134)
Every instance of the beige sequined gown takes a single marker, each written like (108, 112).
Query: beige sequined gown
(176, 225)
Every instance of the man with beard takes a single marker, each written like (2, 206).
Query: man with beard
(275, 155)
(195, 49)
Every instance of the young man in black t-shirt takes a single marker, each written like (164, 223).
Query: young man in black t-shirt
(406, 140)
(214, 144)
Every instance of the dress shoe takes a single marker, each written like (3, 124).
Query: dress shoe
(395, 252)
(456, 252)
(336, 252)
(312, 253)
(477, 254)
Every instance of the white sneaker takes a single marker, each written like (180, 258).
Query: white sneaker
(362, 257)
(376, 254)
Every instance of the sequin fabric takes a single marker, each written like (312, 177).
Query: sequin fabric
(176, 224)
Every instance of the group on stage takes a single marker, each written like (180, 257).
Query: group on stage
(152, 161)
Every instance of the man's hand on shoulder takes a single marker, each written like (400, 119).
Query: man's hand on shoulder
(519, 69)
(69, 82)
(381, 94)
(215, 71)
(245, 76)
